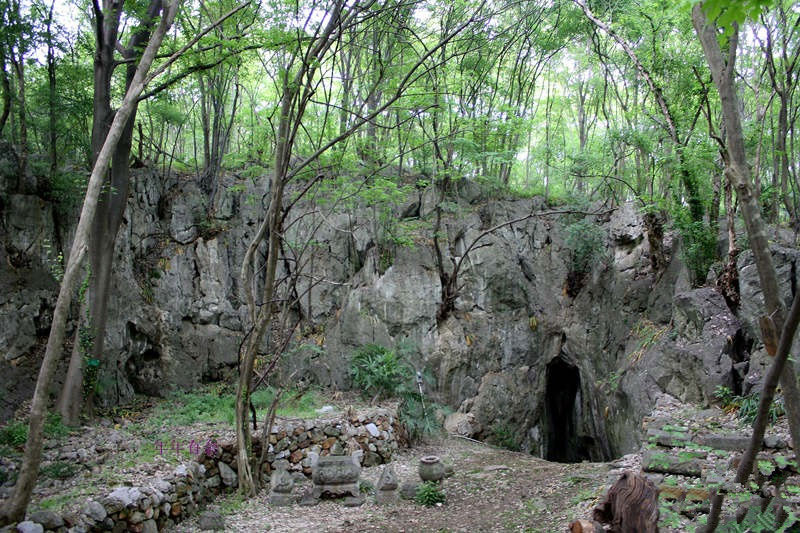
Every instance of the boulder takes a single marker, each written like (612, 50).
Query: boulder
(211, 521)
(95, 511)
(460, 424)
(48, 519)
(229, 477)
(29, 527)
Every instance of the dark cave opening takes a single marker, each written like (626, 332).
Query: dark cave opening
(562, 443)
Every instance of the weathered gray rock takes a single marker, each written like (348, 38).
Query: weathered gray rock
(229, 477)
(48, 519)
(95, 511)
(773, 441)
(281, 481)
(668, 438)
(29, 527)
(372, 429)
(149, 526)
(211, 521)
(386, 490)
(460, 424)
(388, 479)
(731, 443)
(663, 462)
(335, 475)
(121, 498)
(408, 490)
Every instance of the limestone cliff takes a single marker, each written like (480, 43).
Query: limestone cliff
(556, 368)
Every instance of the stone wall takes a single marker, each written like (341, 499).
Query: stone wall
(373, 437)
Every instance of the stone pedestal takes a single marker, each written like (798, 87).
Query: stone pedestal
(281, 484)
(386, 490)
(335, 476)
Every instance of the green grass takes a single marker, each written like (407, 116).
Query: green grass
(59, 470)
(56, 502)
(15, 433)
(231, 503)
(213, 405)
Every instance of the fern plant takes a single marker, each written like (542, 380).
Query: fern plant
(378, 371)
(429, 494)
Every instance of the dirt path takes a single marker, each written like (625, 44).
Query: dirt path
(491, 490)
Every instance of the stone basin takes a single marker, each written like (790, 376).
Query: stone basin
(334, 470)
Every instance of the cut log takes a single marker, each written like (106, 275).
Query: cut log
(631, 505)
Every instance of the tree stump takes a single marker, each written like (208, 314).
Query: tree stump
(631, 505)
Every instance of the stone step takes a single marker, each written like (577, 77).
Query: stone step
(684, 463)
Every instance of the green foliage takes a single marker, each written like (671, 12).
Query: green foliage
(60, 470)
(585, 242)
(366, 487)
(55, 260)
(726, 13)
(699, 244)
(647, 333)
(215, 404)
(502, 434)
(429, 494)
(15, 433)
(418, 414)
(758, 521)
(747, 406)
(377, 371)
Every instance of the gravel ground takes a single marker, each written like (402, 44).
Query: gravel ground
(491, 490)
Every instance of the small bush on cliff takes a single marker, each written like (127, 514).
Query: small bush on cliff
(585, 243)
(378, 371)
(698, 245)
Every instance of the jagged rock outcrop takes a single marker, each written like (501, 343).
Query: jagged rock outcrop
(525, 357)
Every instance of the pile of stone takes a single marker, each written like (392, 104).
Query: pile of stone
(368, 439)
(371, 437)
(687, 460)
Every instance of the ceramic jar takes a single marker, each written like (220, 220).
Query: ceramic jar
(431, 468)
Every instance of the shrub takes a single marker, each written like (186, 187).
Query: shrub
(366, 487)
(14, 434)
(747, 406)
(429, 494)
(378, 372)
(585, 242)
(503, 435)
(59, 470)
(699, 248)
(418, 414)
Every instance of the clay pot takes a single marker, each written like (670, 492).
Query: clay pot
(431, 468)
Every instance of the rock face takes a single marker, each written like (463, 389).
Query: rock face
(564, 372)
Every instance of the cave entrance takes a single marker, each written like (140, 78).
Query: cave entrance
(562, 403)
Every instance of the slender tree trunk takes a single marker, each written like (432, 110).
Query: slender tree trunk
(6, 85)
(113, 198)
(722, 73)
(51, 100)
(19, 68)
(14, 508)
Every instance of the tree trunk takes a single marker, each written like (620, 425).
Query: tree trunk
(19, 68)
(722, 72)
(14, 508)
(6, 92)
(112, 200)
(51, 78)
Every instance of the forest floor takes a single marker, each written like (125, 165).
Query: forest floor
(491, 490)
